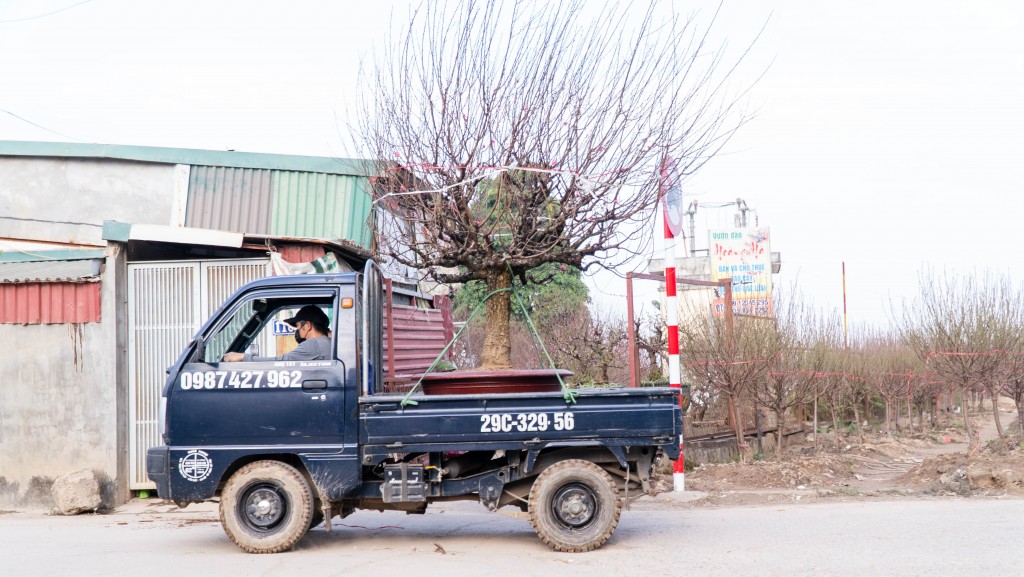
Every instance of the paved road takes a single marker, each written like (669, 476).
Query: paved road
(961, 537)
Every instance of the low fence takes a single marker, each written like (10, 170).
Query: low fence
(725, 449)
(711, 420)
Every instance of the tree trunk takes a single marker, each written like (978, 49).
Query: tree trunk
(888, 432)
(1019, 400)
(497, 353)
(780, 417)
(815, 419)
(972, 443)
(995, 415)
(856, 419)
(835, 424)
(734, 416)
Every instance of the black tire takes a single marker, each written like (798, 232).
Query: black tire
(266, 506)
(318, 514)
(574, 506)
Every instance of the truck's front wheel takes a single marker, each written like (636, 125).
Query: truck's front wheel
(574, 506)
(266, 506)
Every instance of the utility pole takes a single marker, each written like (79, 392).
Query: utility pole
(691, 212)
(741, 218)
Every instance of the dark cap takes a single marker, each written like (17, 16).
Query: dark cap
(311, 313)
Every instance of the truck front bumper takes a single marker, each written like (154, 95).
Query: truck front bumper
(158, 469)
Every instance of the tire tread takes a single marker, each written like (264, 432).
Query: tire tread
(538, 509)
(291, 480)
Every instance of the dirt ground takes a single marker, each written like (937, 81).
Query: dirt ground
(930, 464)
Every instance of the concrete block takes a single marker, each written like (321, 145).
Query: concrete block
(76, 492)
(987, 477)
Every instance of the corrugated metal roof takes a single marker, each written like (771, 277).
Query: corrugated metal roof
(321, 205)
(50, 303)
(188, 156)
(227, 198)
(50, 271)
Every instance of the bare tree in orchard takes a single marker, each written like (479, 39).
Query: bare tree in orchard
(829, 385)
(858, 366)
(1011, 370)
(823, 338)
(964, 330)
(652, 341)
(1012, 376)
(835, 387)
(730, 361)
(796, 339)
(510, 135)
(590, 345)
(896, 369)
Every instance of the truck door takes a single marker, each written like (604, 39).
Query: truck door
(270, 399)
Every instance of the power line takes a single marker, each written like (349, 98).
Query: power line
(51, 221)
(44, 15)
(41, 127)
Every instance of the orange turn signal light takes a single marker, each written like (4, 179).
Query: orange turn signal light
(347, 303)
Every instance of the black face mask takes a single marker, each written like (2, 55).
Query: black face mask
(298, 339)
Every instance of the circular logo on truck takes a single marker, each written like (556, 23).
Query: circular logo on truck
(195, 466)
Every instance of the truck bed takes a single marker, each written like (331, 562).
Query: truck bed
(599, 417)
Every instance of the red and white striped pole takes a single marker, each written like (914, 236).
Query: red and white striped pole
(672, 210)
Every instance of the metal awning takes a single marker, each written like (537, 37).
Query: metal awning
(51, 266)
(126, 232)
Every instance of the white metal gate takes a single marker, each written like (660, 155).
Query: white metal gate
(167, 302)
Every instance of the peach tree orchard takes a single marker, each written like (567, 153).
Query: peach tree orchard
(514, 134)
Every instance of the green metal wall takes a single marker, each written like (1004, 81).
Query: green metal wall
(318, 205)
(280, 203)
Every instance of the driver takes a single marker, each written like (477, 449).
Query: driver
(312, 332)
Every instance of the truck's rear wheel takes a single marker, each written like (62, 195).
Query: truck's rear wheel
(574, 506)
(266, 507)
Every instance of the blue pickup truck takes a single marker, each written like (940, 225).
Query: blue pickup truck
(290, 444)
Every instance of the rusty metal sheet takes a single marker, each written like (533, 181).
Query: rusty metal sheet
(419, 337)
(35, 303)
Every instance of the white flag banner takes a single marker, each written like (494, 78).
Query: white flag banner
(324, 264)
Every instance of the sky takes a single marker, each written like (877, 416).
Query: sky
(883, 135)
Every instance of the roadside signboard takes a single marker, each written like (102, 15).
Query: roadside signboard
(746, 256)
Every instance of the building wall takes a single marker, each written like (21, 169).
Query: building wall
(66, 200)
(59, 403)
(63, 387)
(62, 394)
